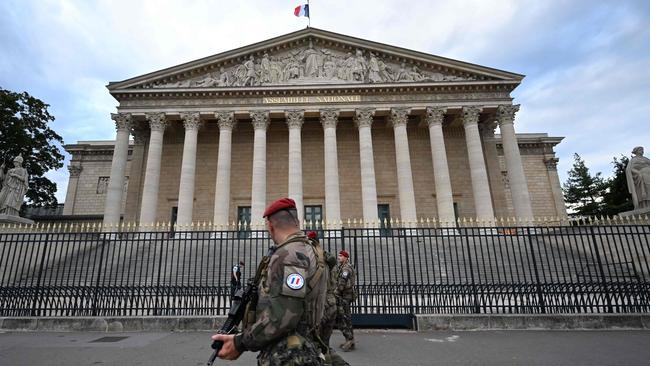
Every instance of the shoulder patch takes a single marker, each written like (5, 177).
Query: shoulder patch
(295, 281)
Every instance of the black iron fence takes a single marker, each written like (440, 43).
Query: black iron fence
(562, 269)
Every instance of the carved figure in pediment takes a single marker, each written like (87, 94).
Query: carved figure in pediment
(292, 69)
(359, 66)
(385, 72)
(403, 74)
(416, 74)
(436, 76)
(374, 73)
(224, 77)
(251, 76)
(313, 62)
(276, 71)
(265, 69)
(330, 68)
(209, 81)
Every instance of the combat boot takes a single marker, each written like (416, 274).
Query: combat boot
(348, 346)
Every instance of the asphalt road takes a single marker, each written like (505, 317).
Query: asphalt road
(376, 348)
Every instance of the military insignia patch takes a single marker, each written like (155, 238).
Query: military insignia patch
(295, 281)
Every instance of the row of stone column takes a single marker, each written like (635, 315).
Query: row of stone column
(329, 118)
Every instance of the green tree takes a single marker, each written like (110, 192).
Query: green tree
(583, 192)
(24, 130)
(618, 198)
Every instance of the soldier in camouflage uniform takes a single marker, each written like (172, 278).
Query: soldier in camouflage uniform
(345, 295)
(291, 299)
(329, 316)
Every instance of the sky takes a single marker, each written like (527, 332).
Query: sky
(587, 63)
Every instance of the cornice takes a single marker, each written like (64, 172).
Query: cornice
(335, 89)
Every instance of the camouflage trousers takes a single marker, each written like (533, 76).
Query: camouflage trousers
(326, 328)
(327, 322)
(344, 318)
(294, 350)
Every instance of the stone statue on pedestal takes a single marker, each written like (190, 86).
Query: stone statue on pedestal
(638, 179)
(14, 187)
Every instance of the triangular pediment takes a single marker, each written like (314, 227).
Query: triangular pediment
(314, 57)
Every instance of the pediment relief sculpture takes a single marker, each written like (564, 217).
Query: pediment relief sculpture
(310, 65)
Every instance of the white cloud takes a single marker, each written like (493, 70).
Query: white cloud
(586, 63)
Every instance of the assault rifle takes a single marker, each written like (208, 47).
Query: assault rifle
(239, 305)
(235, 315)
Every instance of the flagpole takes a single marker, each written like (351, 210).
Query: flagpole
(309, 17)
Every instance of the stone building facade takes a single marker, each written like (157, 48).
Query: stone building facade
(347, 127)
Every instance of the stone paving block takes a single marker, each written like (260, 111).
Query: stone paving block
(507, 321)
(127, 324)
(159, 324)
(20, 323)
(624, 321)
(645, 321)
(585, 321)
(433, 322)
(195, 323)
(470, 322)
(544, 321)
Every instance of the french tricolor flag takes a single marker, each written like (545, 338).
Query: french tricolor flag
(301, 11)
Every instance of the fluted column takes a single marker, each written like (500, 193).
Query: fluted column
(444, 197)
(71, 194)
(149, 206)
(295, 119)
(258, 191)
(399, 120)
(226, 121)
(514, 166)
(133, 198)
(191, 122)
(329, 119)
(556, 188)
(363, 119)
(478, 172)
(115, 187)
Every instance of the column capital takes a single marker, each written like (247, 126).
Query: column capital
(75, 170)
(140, 135)
(191, 120)
(260, 119)
(506, 113)
(225, 120)
(488, 126)
(295, 118)
(123, 121)
(470, 115)
(551, 163)
(329, 117)
(435, 115)
(399, 116)
(363, 117)
(157, 121)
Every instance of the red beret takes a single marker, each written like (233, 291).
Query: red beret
(312, 235)
(344, 253)
(277, 205)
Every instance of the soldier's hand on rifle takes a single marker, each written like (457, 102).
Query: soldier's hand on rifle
(228, 351)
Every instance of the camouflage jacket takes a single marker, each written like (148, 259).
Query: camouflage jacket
(288, 292)
(346, 280)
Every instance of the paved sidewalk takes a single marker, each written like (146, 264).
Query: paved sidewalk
(376, 348)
